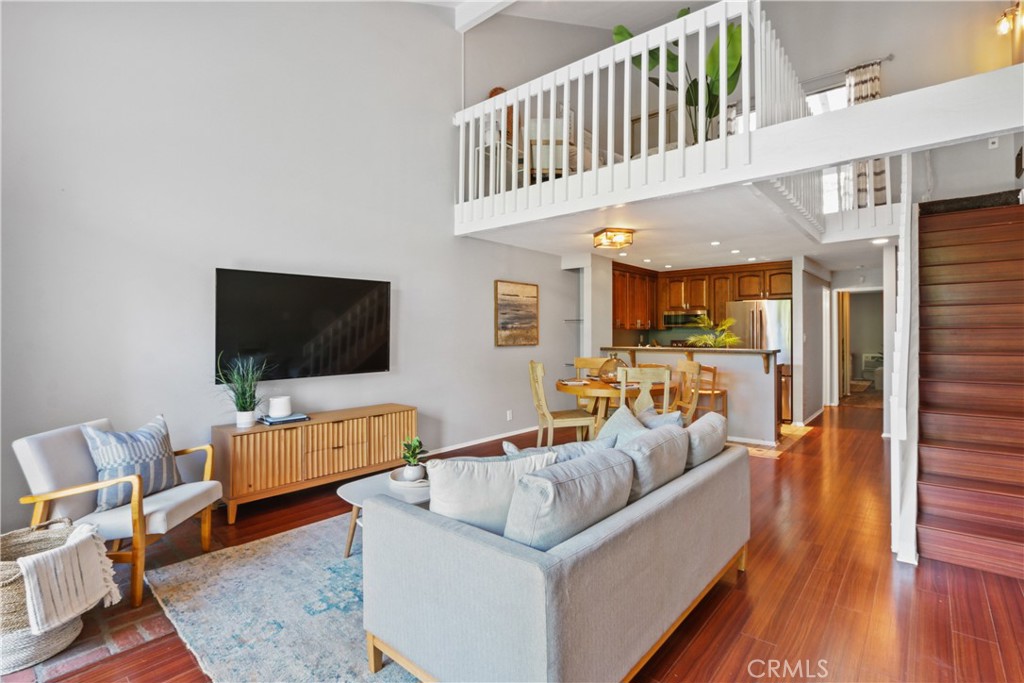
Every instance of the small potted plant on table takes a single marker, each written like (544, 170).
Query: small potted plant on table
(412, 449)
(240, 380)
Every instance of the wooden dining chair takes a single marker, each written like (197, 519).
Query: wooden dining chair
(549, 419)
(646, 378)
(713, 398)
(689, 389)
(672, 391)
(585, 366)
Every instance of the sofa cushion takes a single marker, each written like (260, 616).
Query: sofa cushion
(558, 502)
(622, 425)
(146, 451)
(651, 419)
(564, 452)
(478, 492)
(707, 438)
(659, 456)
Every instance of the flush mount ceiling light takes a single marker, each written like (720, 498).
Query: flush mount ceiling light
(613, 238)
(880, 240)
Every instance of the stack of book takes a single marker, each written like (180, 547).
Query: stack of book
(294, 417)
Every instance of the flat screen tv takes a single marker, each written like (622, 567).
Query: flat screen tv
(302, 325)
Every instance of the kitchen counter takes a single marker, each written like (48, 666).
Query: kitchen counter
(749, 375)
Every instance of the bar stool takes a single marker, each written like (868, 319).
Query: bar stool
(717, 400)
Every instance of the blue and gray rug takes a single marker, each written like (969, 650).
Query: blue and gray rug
(284, 608)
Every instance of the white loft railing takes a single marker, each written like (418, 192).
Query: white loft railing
(565, 140)
(804, 192)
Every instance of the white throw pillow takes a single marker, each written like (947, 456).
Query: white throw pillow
(479, 492)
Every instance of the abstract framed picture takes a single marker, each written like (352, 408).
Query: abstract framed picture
(516, 314)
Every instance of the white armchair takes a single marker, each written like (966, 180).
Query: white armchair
(62, 477)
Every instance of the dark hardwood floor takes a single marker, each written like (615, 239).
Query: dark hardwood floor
(823, 599)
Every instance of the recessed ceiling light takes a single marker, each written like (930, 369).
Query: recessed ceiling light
(752, 258)
(622, 253)
(668, 266)
(735, 251)
(880, 240)
(715, 244)
(647, 260)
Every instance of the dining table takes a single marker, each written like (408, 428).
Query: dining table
(601, 393)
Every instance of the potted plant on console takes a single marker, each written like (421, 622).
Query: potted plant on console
(412, 449)
(240, 379)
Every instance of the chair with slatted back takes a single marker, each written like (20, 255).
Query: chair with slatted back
(713, 398)
(585, 367)
(689, 389)
(672, 389)
(646, 378)
(549, 419)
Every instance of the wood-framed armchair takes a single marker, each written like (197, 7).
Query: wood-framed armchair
(62, 477)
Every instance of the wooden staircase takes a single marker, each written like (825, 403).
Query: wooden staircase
(971, 417)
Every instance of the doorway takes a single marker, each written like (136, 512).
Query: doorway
(860, 340)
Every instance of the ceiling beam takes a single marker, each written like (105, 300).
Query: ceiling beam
(470, 14)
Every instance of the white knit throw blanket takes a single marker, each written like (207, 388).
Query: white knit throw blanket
(64, 582)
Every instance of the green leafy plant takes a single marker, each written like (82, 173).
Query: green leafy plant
(412, 449)
(240, 379)
(733, 58)
(716, 336)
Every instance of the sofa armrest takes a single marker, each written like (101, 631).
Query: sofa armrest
(459, 602)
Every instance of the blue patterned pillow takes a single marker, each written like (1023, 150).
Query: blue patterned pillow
(146, 451)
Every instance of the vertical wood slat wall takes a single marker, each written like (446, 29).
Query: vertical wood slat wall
(267, 461)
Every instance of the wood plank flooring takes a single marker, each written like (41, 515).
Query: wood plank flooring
(823, 599)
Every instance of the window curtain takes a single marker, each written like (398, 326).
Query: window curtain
(863, 84)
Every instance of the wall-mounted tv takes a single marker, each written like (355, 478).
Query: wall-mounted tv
(304, 326)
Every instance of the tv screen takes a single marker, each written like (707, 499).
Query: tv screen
(304, 326)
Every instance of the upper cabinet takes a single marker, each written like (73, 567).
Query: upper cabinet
(769, 283)
(749, 285)
(779, 283)
(685, 292)
(634, 297)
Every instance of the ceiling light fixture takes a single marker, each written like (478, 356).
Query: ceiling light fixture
(735, 251)
(752, 258)
(622, 253)
(1007, 19)
(647, 260)
(715, 244)
(613, 238)
(880, 240)
(667, 266)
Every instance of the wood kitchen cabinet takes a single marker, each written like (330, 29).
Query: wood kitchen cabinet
(720, 287)
(749, 285)
(634, 298)
(687, 293)
(778, 283)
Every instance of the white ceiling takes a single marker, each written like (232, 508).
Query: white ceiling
(639, 16)
(678, 231)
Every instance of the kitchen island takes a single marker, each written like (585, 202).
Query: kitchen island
(749, 375)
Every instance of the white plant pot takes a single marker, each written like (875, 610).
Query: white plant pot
(244, 420)
(413, 472)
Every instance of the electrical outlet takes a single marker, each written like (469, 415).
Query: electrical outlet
(993, 143)
(508, 416)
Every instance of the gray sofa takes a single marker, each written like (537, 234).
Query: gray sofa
(452, 602)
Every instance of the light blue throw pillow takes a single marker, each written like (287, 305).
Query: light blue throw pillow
(707, 438)
(659, 456)
(565, 451)
(651, 419)
(623, 425)
(554, 504)
(146, 451)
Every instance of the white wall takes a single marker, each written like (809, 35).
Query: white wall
(866, 318)
(966, 170)
(146, 144)
(933, 42)
(858, 278)
(812, 306)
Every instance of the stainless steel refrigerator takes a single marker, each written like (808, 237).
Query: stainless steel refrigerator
(768, 324)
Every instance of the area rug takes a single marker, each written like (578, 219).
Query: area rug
(284, 608)
(790, 435)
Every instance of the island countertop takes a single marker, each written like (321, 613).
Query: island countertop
(766, 354)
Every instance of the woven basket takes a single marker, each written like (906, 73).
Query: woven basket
(19, 648)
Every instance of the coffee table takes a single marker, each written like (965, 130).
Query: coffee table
(356, 492)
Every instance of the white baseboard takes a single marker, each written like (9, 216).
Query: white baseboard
(753, 442)
(812, 418)
(474, 442)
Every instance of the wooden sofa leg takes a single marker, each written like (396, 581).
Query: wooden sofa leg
(741, 563)
(138, 571)
(206, 526)
(374, 654)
